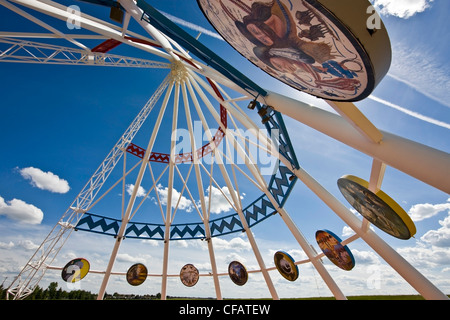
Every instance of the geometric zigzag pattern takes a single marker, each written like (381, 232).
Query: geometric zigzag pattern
(256, 212)
(280, 186)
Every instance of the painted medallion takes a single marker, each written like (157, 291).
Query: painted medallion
(299, 42)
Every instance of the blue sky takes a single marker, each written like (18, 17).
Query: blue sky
(58, 123)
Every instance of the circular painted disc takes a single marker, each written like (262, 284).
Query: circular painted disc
(331, 246)
(237, 272)
(286, 265)
(321, 47)
(75, 270)
(137, 274)
(378, 208)
(189, 275)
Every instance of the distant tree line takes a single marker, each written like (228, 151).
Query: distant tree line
(53, 293)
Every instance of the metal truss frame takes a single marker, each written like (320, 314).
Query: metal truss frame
(25, 51)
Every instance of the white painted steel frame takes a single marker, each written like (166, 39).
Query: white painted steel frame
(424, 163)
(200, 188)
(169, 212)
(25, 51)
(90, 23)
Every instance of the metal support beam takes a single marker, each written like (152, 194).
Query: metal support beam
(424, 163)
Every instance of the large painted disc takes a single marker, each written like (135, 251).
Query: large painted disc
(189, 275)
(238, 273)
(331, 246)
(137, 274)
(322, 47)
(378, 208)
(75, 270)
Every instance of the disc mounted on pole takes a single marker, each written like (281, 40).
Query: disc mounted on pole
(336, 50)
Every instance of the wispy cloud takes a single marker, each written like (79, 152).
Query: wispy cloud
(421, 70)
(410, 113)
(401, 8)
(192, 26)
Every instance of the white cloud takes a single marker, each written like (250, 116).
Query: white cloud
(347, 231)
(45, 180)
(423, 211)
(439, 237)
(427, 257)
(151, 243)
(140, 193)
(401, 8)
(365, 257)
(28, 245)
(236, 244)
(179, 243)
(21, 211)
(4, 245)
(163, 193)
(219, 203)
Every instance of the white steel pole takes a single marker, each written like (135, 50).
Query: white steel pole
(130, 205)
(329, 281)
(408, 156)
(168, 220)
